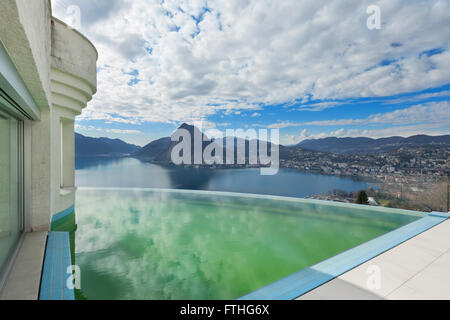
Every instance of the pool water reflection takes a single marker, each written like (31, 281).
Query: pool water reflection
(150, 244)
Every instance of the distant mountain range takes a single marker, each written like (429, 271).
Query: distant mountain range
(159, 151)
(105, 147)
(368, 145)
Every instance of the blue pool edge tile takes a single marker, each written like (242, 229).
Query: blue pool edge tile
(308, 279)
(57, 261)
(63, 214)
(440, 214)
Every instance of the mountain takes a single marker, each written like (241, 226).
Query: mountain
(368, 145)
(166, 155)
(87, 146)
(160, 150)
(153, 149)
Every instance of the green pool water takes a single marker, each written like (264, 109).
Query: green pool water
(147, 244)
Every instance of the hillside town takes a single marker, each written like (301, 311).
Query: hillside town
(408, 177)
(423, 161)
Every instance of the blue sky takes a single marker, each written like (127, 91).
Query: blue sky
(312, 69)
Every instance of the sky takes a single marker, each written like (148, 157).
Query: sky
(312, 69)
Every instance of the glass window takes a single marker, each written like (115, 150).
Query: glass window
(10, 218)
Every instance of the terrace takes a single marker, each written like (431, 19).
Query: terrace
(414, 270)
(242, 244)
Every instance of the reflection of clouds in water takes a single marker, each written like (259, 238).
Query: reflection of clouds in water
(191, 246)
(178, 257)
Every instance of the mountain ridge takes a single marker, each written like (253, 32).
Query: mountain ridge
(106, 147)
(160, 150)
(361, 145)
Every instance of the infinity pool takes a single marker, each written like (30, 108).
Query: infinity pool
(156, 244)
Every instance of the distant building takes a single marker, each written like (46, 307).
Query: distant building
(372, 201)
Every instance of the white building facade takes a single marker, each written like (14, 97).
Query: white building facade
(47, 76)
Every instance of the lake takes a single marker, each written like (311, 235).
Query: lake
(134, 173)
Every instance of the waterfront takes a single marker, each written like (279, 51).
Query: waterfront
(133, 173)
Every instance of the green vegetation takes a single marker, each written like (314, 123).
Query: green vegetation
(362, 198)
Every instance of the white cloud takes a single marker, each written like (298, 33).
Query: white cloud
(246, 54)
(79, 127)
(319, 106)
(284, 124)
(432, 118)
(436, 113)
(401, 131)
(419, 97)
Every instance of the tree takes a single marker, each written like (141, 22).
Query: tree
(362, 198)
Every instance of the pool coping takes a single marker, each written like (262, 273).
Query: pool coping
(57, 263)
(308, 279)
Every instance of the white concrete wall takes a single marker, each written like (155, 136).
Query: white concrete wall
(73, 54)
(58, 67)
(63, 196)
(73, 83)
(67, 153)
(41, 172)
(25, 33)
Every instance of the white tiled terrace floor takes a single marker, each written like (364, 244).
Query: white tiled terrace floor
(416, 269)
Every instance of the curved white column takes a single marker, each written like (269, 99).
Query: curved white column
(73, 79)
